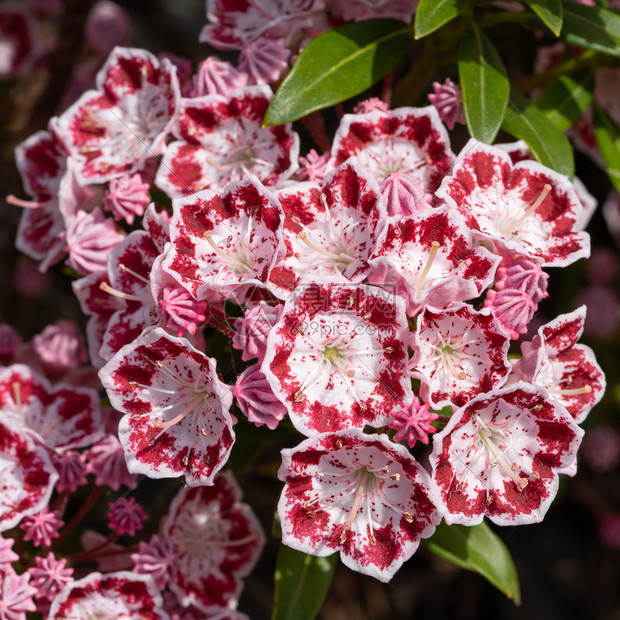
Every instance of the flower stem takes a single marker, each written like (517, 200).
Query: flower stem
(81, 513)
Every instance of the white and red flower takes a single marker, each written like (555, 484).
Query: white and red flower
(358, 494)
(224, 244)
(216, 540)
(531, 209)
(430, 258)
(114, 596)
(411, 141)
(500, 455)
(177, 418)
(461, 353)
(566, 370)
(330, 229)
(27, 475)
(221, 139)
(113, 130)
(337, 358)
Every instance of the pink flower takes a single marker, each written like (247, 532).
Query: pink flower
(313, 166)
(358, 494)
(413, 423)
(126, 516)
(50, 575)
(122, 596)
(90, 238)
(512, 308)
(127, 197)
(15, 595)
(177, 412)
(256, 399)
(500, 455)
(368, 105)
(17, 42)
(448, 101)
(337, 357)
(181, 311)
(217, 540)
(40, 528)
(155, 558)
(251, 331)
(264, 60)
(107, 26)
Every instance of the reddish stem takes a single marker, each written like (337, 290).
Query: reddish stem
(324, 141)
(339, 111)
(386, 91)
(81, 513)
(95, 552)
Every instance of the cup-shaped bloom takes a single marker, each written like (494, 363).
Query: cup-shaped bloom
(358, 494)
(337, 358)
(177, 419)
(500, 455)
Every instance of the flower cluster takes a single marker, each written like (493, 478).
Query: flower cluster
(374, 291)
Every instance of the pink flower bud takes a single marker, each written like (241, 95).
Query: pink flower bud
(264, 60)
(253, 329)
(448, 101)
(413, 423)
(126, 516)
(523, 274)
(256, 399)
(368, 105)
(512, 308)
(181, 311)
(403, 195)
(313, 167)
(61, 347)
(40, 528)
(127, 197)
(107, 26)
(10, 342)
(217, 77)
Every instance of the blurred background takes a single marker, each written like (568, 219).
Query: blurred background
(569, 565)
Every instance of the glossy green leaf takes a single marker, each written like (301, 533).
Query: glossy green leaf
(549, 145)
(480, 550)
(337, 65)
(592, 27)
(550, 12)
(484, 84)
(432, 14)
(608, 140)
(302, 581)
(566, 100)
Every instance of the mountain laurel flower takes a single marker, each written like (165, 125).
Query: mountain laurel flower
(500, 456)
(252, 330)
(155, 558)
(181, 311)
(50, 576)
(264, 60)
(127, 197)
(16, 594)
(448, 101)
(361, 495)
(403, 196)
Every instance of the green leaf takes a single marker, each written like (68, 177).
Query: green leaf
(337, 65)
(484, 84)
(550, 12)
(549, 145)
(432, 14)
(592, 27)
(302, 581)
(566, 100)
(608, 140)
(480, 550)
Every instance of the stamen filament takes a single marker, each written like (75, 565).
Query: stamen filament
(586, 389)
(508, 231)
(427, 267)
(27, 204)
(519, 481)
(303, 236)
(222, 254)
(106, 288)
